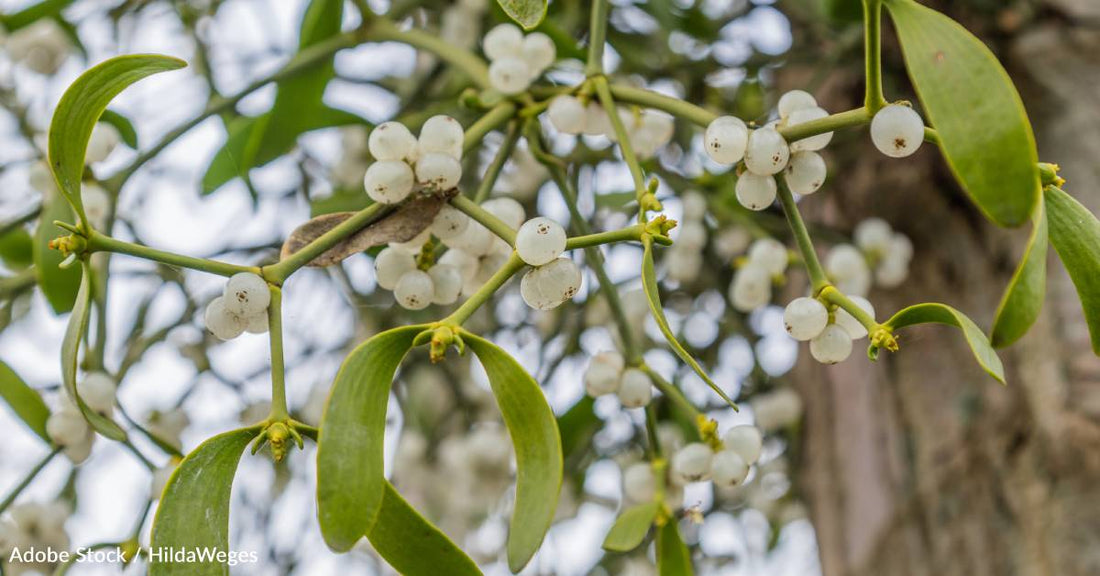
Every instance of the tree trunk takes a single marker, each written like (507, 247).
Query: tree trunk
(920, 464)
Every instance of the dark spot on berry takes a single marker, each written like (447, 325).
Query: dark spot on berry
(899, 143)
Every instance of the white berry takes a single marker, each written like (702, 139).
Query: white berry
(390, 265)
(812, 143)
(246, 294)
(508, 210)
(463, 261)
(846, 265)
(66, 427)
(256, 324)
(441, 134)
(751, 288)
(538, 52)
(104, 140)
(567, 114)
(502, 41)
(388, 181)
(447, 282)
(767, 151)
(805, 318)
(746, 441)
(755, 191)
(415, 290)
(539, 241)
(693, 234)
(531, 289)
(805, 173)
(562, 279)
(897, 130)
(438, 171)
(795, 100)
(221, 322)
(449, 222)
(97, 204)
(694, 205)
(510, 75)
(596, 121)
(635, 389)
(603, 375)
(726, 139)
(639, 483)
(98, 392)
(769, 253)
(832, 345)
(692, 463)
(392, 141)
(853, 327)
(728, 469)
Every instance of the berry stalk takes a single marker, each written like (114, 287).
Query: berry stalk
(801, 235)
(98, 242)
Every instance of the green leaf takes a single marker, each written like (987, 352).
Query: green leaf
(1075, 234)
(673, 556)
(59, 285)
(526, 13)
(194, 510)
(80, 108)
(843, 11)
(971, 102)
(121, 123)
(933, 313)
(537, 443)
(1023, 299)
(412, 545)
(70, 358)
(350, 480)
(652, 292)
(24, 401)
(17, 249)
(631, 527)
(577, 426)
(33, 13)
(341, 200)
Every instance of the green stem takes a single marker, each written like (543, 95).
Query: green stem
(483, 217)
(382, 30)
(27, 480)
(669, 390)
(628, 234)
(278, 273)
(463, 313)
(608, 103)
(872, 48)
(97, 242)
(834, 296)
(498, 115)
(651, 433)
(279, 411)
(830, 123)
(597, 37)
(656, 100)
(495, 167)
(801, 235)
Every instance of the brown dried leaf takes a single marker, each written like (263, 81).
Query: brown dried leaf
(399, 225)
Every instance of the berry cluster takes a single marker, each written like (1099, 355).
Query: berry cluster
(43, 46)
(242, 307)
(396, 269)
(67, 426)
(647, 130)
(402, 160)
(516, 60)
(830, 334)
(553, 279)
(752, 284)
(880, 256)
(33, 525)
(726, 463)
(607, 374)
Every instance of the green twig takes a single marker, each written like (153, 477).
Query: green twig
(597, 37)
(98, 242)
(279, 410)
(463, 313)
(26, 481)
(485, 218)
(801, 235)
(872, 48)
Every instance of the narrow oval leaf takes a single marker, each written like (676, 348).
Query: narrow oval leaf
(350, 480)
(1023, 299)
(59, 285)
(970, 100)
(631, 527)
(17, 249)
(193, 514)
(673, 556)
(412, 545)
(1075, 234)
(933, 313)
(125, 128)
(526, 13)
(70, 357)
(82, 105)
(653, 294)
(24, 401)
(537, 442)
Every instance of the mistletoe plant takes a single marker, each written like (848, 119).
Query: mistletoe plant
(441, 245)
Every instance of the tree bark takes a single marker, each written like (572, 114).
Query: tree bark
(920, 464)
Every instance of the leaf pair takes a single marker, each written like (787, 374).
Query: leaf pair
(630, 529)
(351, 488)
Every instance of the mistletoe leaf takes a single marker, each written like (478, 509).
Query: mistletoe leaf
(934, 313)
(59, 285)
(1023, 299)
(526, 13)
(24, 401)
(1075, 234)
(412, 545)
(631, 527)
(673, 556)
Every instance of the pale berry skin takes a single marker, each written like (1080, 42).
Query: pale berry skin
(502, 41)
(105, 138)
(390, 265)
(767, 152)
(846, 265)
(892, 272)
(508, 210)
(694, 205)
(897, 130)
(805, 173)
(476, 240)
(449, 223)
(635, 388)
(509, 75)
(447, 282)
(97, 390)
(751, 288)
(832, 345)
(461, 260)
(596, 121)
(415, 290)
(539, 241)
(693, 234)
(795, 100)
(813, 143)
(441, 134)
(438, 171)
(728, 469)
(221, 322)
(805, 318)
(849, 323)
(567, 114)
(755, 191)
(769, 253)
(246, 294)
(563, 278)
(66, 427)
(639, 483)
(388, 181)
(97, 204)
(538, 52)
(746, 441)
(604, 373)
(692, 463)
(392, 141)
(873, 235)
(257, 324)
(726, 139)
